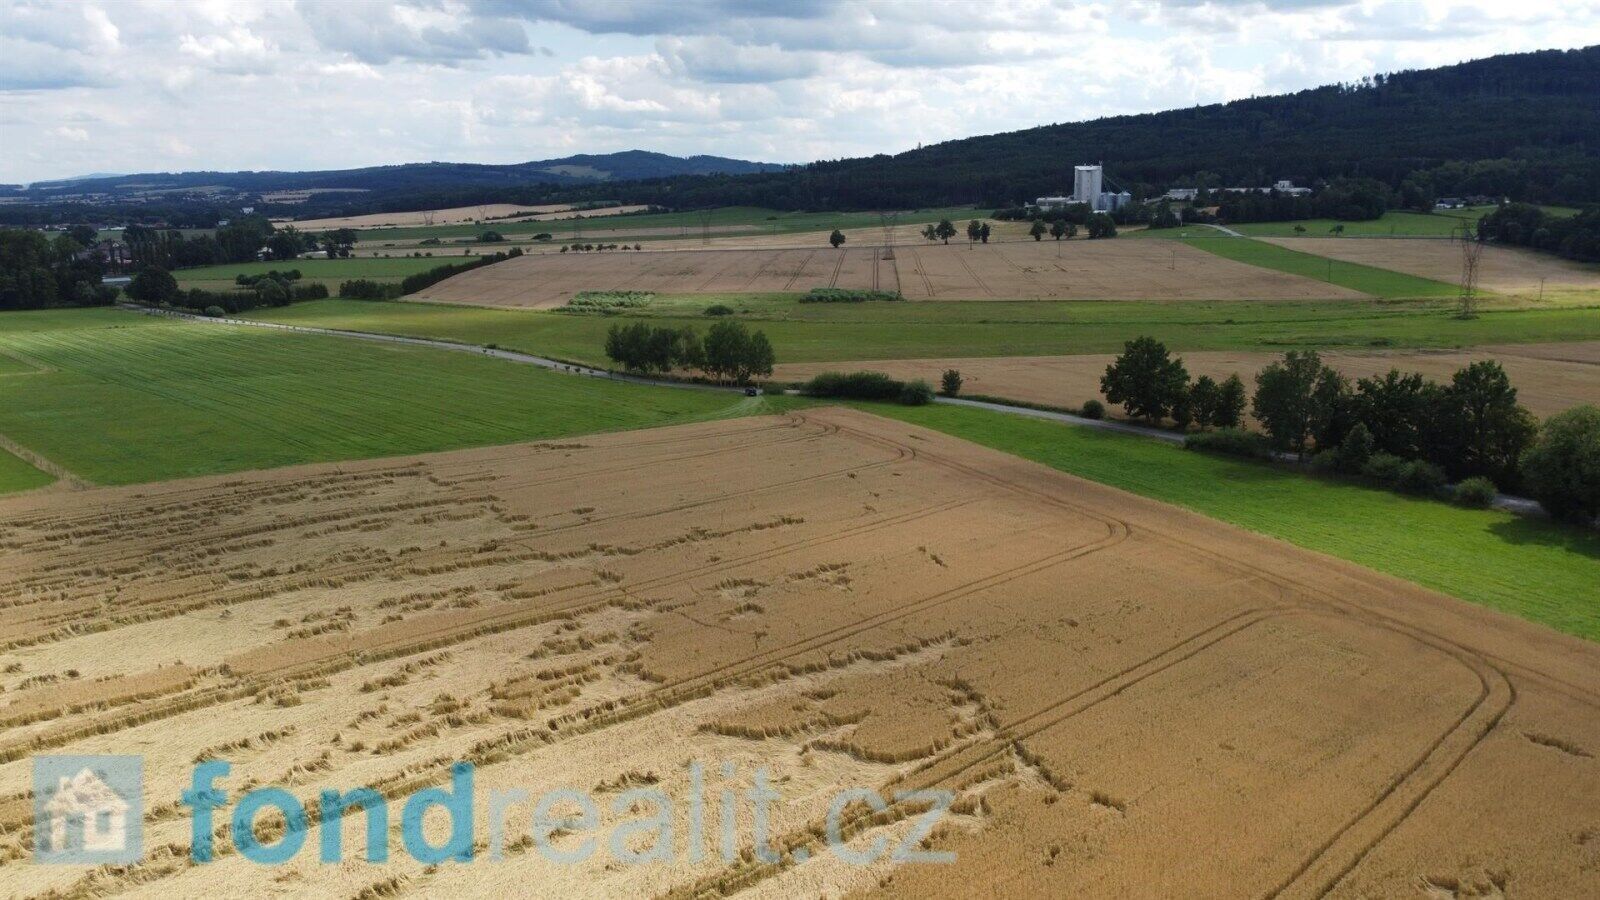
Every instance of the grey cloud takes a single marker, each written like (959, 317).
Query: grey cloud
(654, 17)
(716, 59)
(374, 34)
(27, 66)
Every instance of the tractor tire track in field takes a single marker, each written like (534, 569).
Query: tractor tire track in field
(799, 270)
(1343, 851)
(973, 272)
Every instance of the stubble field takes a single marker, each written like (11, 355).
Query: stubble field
(1125, 698)
(1023, 270)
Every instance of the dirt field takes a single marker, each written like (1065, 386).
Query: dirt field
(1126, 699)
(1123, 270)
(1504, 270)
(456, 216)
(1549, 377)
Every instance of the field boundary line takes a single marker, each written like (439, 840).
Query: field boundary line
(64, 476)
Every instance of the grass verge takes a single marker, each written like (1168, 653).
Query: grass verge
(1524, 566)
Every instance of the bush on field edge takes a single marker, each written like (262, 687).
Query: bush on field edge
(868, 386)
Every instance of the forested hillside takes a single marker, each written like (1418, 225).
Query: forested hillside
(1524, 125)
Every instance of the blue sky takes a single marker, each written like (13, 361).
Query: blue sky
(154, 85)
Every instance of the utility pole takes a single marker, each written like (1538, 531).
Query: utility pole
(1471, 251)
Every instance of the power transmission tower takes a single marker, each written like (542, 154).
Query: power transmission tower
(1471, 252)
(705, 227)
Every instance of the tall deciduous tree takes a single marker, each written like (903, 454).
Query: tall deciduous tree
(1283, 401)
(1562, 468)
(1487, 430)
(1146, 380)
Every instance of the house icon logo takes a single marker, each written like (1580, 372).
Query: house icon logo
(88, 809)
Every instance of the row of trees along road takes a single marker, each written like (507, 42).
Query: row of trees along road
(729, 351)
(1471, 426)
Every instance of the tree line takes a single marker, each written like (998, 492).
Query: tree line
(40, 272)
(1400, 428)
(238, 241)
(728, 352)
(1574, 237)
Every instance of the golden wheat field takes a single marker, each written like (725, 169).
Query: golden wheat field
(1016, 270)
(1549, 377)
(1121, 698)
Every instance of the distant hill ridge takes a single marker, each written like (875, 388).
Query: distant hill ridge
(628, 165)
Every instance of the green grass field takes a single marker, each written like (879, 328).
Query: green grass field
(135, 398)
(1395, 223)
(1523, 566)
(327, 271)
(17, 475)
(1366, 279)
(749, 219)
(10, 365)
(826, 332)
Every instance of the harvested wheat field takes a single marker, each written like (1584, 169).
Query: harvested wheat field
(1549, 377)
(1125, 270)
(1124, 699)
(1511, 271)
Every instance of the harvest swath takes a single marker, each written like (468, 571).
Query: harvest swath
(1126, 698)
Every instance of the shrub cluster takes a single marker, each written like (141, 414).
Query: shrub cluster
(868, 386)
(1232, 441)
(847, 295)
(266, 293)
(603, 300)
(366, 289)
